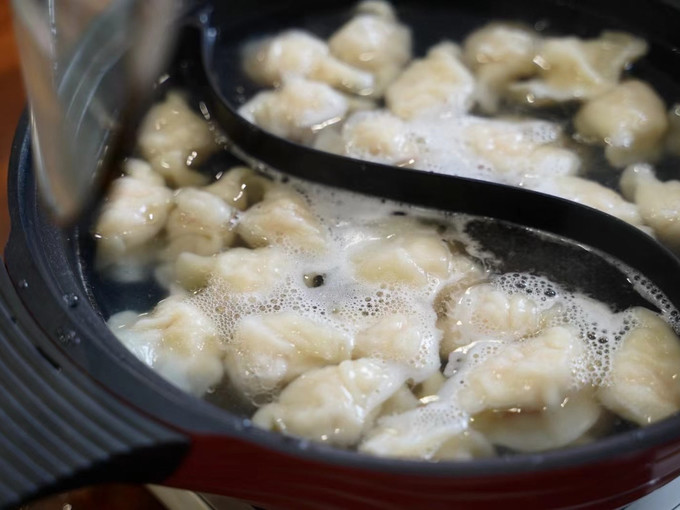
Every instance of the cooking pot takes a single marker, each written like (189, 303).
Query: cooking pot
(78, 408)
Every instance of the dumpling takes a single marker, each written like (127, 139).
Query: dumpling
(499, 53)
(334, 405)
(402, 339)
(529, 374)
(268, 351)
(237, 270)
(439, 83)
(402, 259)
(427, 390)
(403, 400)
(658, 202)
(374, 41)
(518, 151)
(643, 385)
(630, 121)
(240, 187)
(177, 340)
(484, 311)
(297, 110)
(570, 68)
(200, 223)
(540, 430)
(282, 218)
(592, 194)
(175, 140)
(431, 432)
(132, 217)
(379, 136)
(295, 53)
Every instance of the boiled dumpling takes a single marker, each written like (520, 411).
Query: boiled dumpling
(402, 259)
(177, 340)
(175, 140)
(484, 311)
(403, 339)
(297, 110)
(657, 201)
(499, 53)
(540, 430)
(571, 68)
(133, 215)
(240, 187)
(592, 194)
(630, 121)
(334, 405)
(379, 136)
(433, 432)
(237, 270)
(200, 223)
(295, 53)
(374, 41)
(282, 218)
(439, 83)
(403, 400)
(644, 382)
(518, 151)
(528, 374)
(268, 351)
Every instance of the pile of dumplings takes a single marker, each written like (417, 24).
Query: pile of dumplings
(471, 109)
(361, 323)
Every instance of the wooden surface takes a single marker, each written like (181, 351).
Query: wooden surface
(12, 98)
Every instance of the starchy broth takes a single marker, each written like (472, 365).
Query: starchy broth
(382, 327)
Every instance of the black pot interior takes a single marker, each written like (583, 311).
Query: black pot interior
(229, 25)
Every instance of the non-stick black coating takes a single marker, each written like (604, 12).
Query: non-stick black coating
(67, 265)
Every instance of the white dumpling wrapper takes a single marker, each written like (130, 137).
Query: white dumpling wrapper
(132, 217)
(334, 405)
(379, 136)
(282, 218)
(433, 432)
(484, 311)
(374, 41)
(570, 68)
(529, 374)
(439, 83)
(518, 151)
(402, 339)
(657, 201)
(414, 260)
(175, 140)
(499, 53)
(546, 429)
(200, 223)
(629, 120)
(177, 340)
(268, 351)
(240, 187)
(297, 110)
(295, 53)
(238, 270)
(644, 382)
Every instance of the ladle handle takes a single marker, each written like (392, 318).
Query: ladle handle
(60, 430)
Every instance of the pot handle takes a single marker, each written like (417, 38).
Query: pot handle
(60, 430)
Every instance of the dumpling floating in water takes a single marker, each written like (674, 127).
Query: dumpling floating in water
(374, 40)
(298, 54)
(630, 121)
